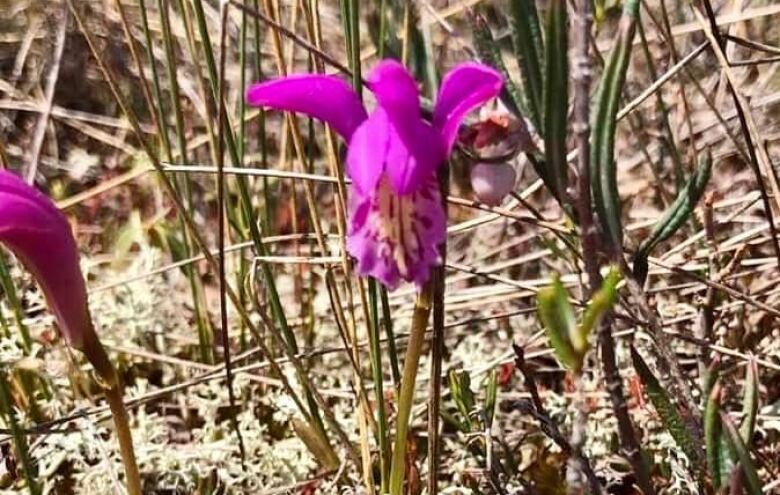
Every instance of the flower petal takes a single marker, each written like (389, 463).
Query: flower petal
(414, 148)
(463, 89)
(395, 238)
(408, 158)
(396, 91)
(41, 238)
(326, 98)
(413, 155)
(367, 151)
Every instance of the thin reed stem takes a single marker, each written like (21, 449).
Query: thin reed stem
(20, 440)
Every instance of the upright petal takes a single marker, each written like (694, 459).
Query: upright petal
(408, 158)
(414, 148)
(396, 91)
(41, 238)
(463, 89)
(326, 98)
(395, 238)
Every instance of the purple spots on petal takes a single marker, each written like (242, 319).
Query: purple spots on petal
(395, 237)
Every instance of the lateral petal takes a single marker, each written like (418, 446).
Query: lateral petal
(463, 89)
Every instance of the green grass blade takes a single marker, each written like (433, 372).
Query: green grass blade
(9, 289)
(742, 453)
(8, 412)
(718, 460)
(749, 403)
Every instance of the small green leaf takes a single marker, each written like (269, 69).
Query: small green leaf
(460, 387)
(742, 454)
(491, 392)
(527, 40)
(601, 303)
(603, 172)
(557, 316)
(674, 216)
(663, 405)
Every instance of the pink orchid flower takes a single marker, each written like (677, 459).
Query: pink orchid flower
(39, 235)
(396, 216)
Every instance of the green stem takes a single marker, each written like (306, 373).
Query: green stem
(376, 368)
(96, 354)
(205, 332)
(392, 350)
(422, 310)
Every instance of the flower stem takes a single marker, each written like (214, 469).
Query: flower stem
(118, 411)
(96, 354)
(422, 310)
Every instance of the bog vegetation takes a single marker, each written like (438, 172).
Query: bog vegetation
(404, 247)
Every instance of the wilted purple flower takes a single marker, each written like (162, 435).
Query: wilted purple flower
(396, 217)
(492, 182)
(38, 234)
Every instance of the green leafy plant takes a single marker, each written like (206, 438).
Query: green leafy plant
(569, 338)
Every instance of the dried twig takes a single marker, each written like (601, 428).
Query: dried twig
(549, 427)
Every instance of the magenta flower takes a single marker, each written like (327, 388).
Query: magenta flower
(38, 234)
(397, 220)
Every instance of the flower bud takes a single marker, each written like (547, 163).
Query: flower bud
(492, 182)
(39, 235)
